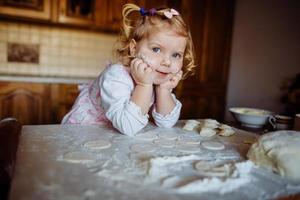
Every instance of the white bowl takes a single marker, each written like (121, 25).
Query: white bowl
(251, 117)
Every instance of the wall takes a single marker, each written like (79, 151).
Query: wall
(62, 52)
(265, 52)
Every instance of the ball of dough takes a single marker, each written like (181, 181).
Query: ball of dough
(278, 151)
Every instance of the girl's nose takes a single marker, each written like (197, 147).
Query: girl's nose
(166, 62)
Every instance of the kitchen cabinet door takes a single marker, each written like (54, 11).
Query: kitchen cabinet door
(29, 102)
(33, 9)
(204, 94)
(76, 12)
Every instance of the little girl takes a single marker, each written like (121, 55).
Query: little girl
(155, 52)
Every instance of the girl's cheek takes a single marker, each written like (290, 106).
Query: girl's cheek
(176, 68)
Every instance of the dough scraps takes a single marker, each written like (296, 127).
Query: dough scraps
(191, 125)
(210, 168)
(207, 132)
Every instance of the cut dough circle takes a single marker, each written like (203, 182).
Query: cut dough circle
(142, 147)
(146, 136)
(169, 136)
(189, 148)
(164, 142)
(213, 145)
(186, 140)
(78, 157)
(97, 144)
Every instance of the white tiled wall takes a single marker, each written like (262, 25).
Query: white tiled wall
(63, 52)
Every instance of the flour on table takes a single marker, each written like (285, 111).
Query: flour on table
(97, 144)
(213, 145)
(78, 157)
(144, 147)
(240, 177)
(165, 142)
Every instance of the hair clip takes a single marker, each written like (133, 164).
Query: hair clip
(170, 13)
(143, 11)
(152, 12)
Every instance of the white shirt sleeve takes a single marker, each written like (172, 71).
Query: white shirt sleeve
(116, 86)
(170, 119)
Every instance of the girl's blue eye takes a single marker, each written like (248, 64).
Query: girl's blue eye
(177, 55)
(156, 49)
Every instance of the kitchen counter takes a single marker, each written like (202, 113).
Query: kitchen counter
(45, 79)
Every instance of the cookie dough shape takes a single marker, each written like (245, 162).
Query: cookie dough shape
(279, 152)
(78, 157)
(97, 144)
(213, 145)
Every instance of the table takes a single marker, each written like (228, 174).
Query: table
(161, 169)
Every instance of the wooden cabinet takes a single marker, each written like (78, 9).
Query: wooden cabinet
(32, 9)
(27, 102)
(203, 95)
(95, 14)
(36, 103)
(76, 12)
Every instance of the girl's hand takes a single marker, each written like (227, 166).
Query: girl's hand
(172, 82)
(141, 72)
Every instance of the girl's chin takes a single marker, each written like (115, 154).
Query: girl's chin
(159, 81)
(161, 78)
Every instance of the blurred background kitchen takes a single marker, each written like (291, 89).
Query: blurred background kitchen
(247, 52)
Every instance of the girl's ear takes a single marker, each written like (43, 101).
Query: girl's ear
(132, 47)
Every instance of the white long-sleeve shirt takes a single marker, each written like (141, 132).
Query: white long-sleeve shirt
(107, 99)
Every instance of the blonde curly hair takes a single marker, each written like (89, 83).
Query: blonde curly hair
(144, 24)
